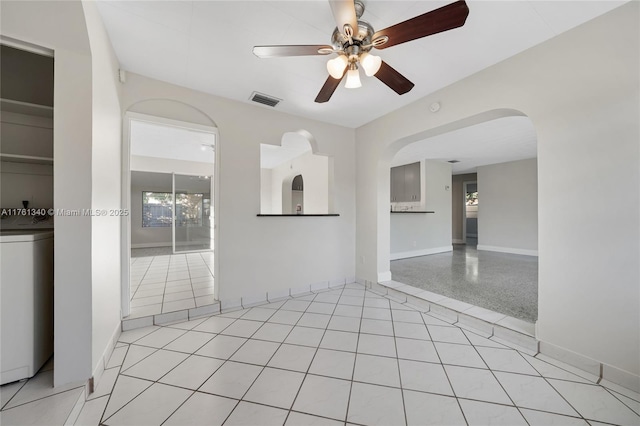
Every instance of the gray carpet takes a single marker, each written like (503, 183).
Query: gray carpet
(505, 283)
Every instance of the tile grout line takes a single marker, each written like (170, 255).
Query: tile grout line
(306, 374)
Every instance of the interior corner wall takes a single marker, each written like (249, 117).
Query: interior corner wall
(457, 204)
(419, 234)
(67, 36)
(581, 91)
(265, 191)
(508, 207)
(284, 252)
(105, 187)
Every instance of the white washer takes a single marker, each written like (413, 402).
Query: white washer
(26, 302)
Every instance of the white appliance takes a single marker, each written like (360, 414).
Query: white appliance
(26, 302)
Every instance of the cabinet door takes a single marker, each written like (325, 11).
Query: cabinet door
(412, 182)
(397, 184)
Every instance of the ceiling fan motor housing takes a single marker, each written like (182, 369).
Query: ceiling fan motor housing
(361, 39)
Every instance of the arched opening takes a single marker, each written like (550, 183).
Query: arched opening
(169, 188)
(297, 195)
(428, 250)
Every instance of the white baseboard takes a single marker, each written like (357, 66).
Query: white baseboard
(151, 245)
(154, 245)
(416, 253)
(508, 250)
(597, 369)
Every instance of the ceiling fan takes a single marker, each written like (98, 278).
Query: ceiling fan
(352, 40)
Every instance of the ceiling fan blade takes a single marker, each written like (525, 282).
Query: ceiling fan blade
(445, 18)
(392, 78)
(291, 50)
(328, 88)
(344, 12)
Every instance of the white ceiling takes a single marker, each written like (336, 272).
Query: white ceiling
(492, 142)
(207, 46)
(176, 143)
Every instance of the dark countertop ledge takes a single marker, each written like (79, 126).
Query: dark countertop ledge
(297, 215)
(412, 211)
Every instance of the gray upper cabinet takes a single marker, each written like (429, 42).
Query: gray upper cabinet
(405, 183)
(397, 183)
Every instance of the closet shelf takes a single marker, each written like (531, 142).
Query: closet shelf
(14, 158)
(19, 107)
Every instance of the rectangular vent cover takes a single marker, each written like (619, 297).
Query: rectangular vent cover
(263, 99)
(453, 161)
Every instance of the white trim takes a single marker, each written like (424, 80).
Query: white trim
(169, 122)
(26, 46)
(416, 253)
(511, 250)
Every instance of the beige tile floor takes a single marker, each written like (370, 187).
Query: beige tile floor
(169, 283)
(342, 356)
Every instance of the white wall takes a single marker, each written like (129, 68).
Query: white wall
(419, 234)
(315, 174)
(283, 252)
(266, 193)
(60, 26)
(508, 207)
(105, 186)
(580, 89)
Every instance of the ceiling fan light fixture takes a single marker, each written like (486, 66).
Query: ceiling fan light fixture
(353, 79)
(370, 63)
(337, 65)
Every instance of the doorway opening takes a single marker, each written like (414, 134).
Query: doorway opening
(447, 246)
(470, 214)
(170, 189)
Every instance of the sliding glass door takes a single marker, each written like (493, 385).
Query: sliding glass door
(193, 213)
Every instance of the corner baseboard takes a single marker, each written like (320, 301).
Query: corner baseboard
(598, 369)
(511, 250)
(416, 253)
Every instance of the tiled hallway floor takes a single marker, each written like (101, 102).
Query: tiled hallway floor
(345, 356)
(169, 283)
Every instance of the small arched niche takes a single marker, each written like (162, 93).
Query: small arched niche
(294, 179)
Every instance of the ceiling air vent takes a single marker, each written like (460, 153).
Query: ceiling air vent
(453, 161)
(263, 99)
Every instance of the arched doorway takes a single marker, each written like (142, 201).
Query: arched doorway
(169, 188)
